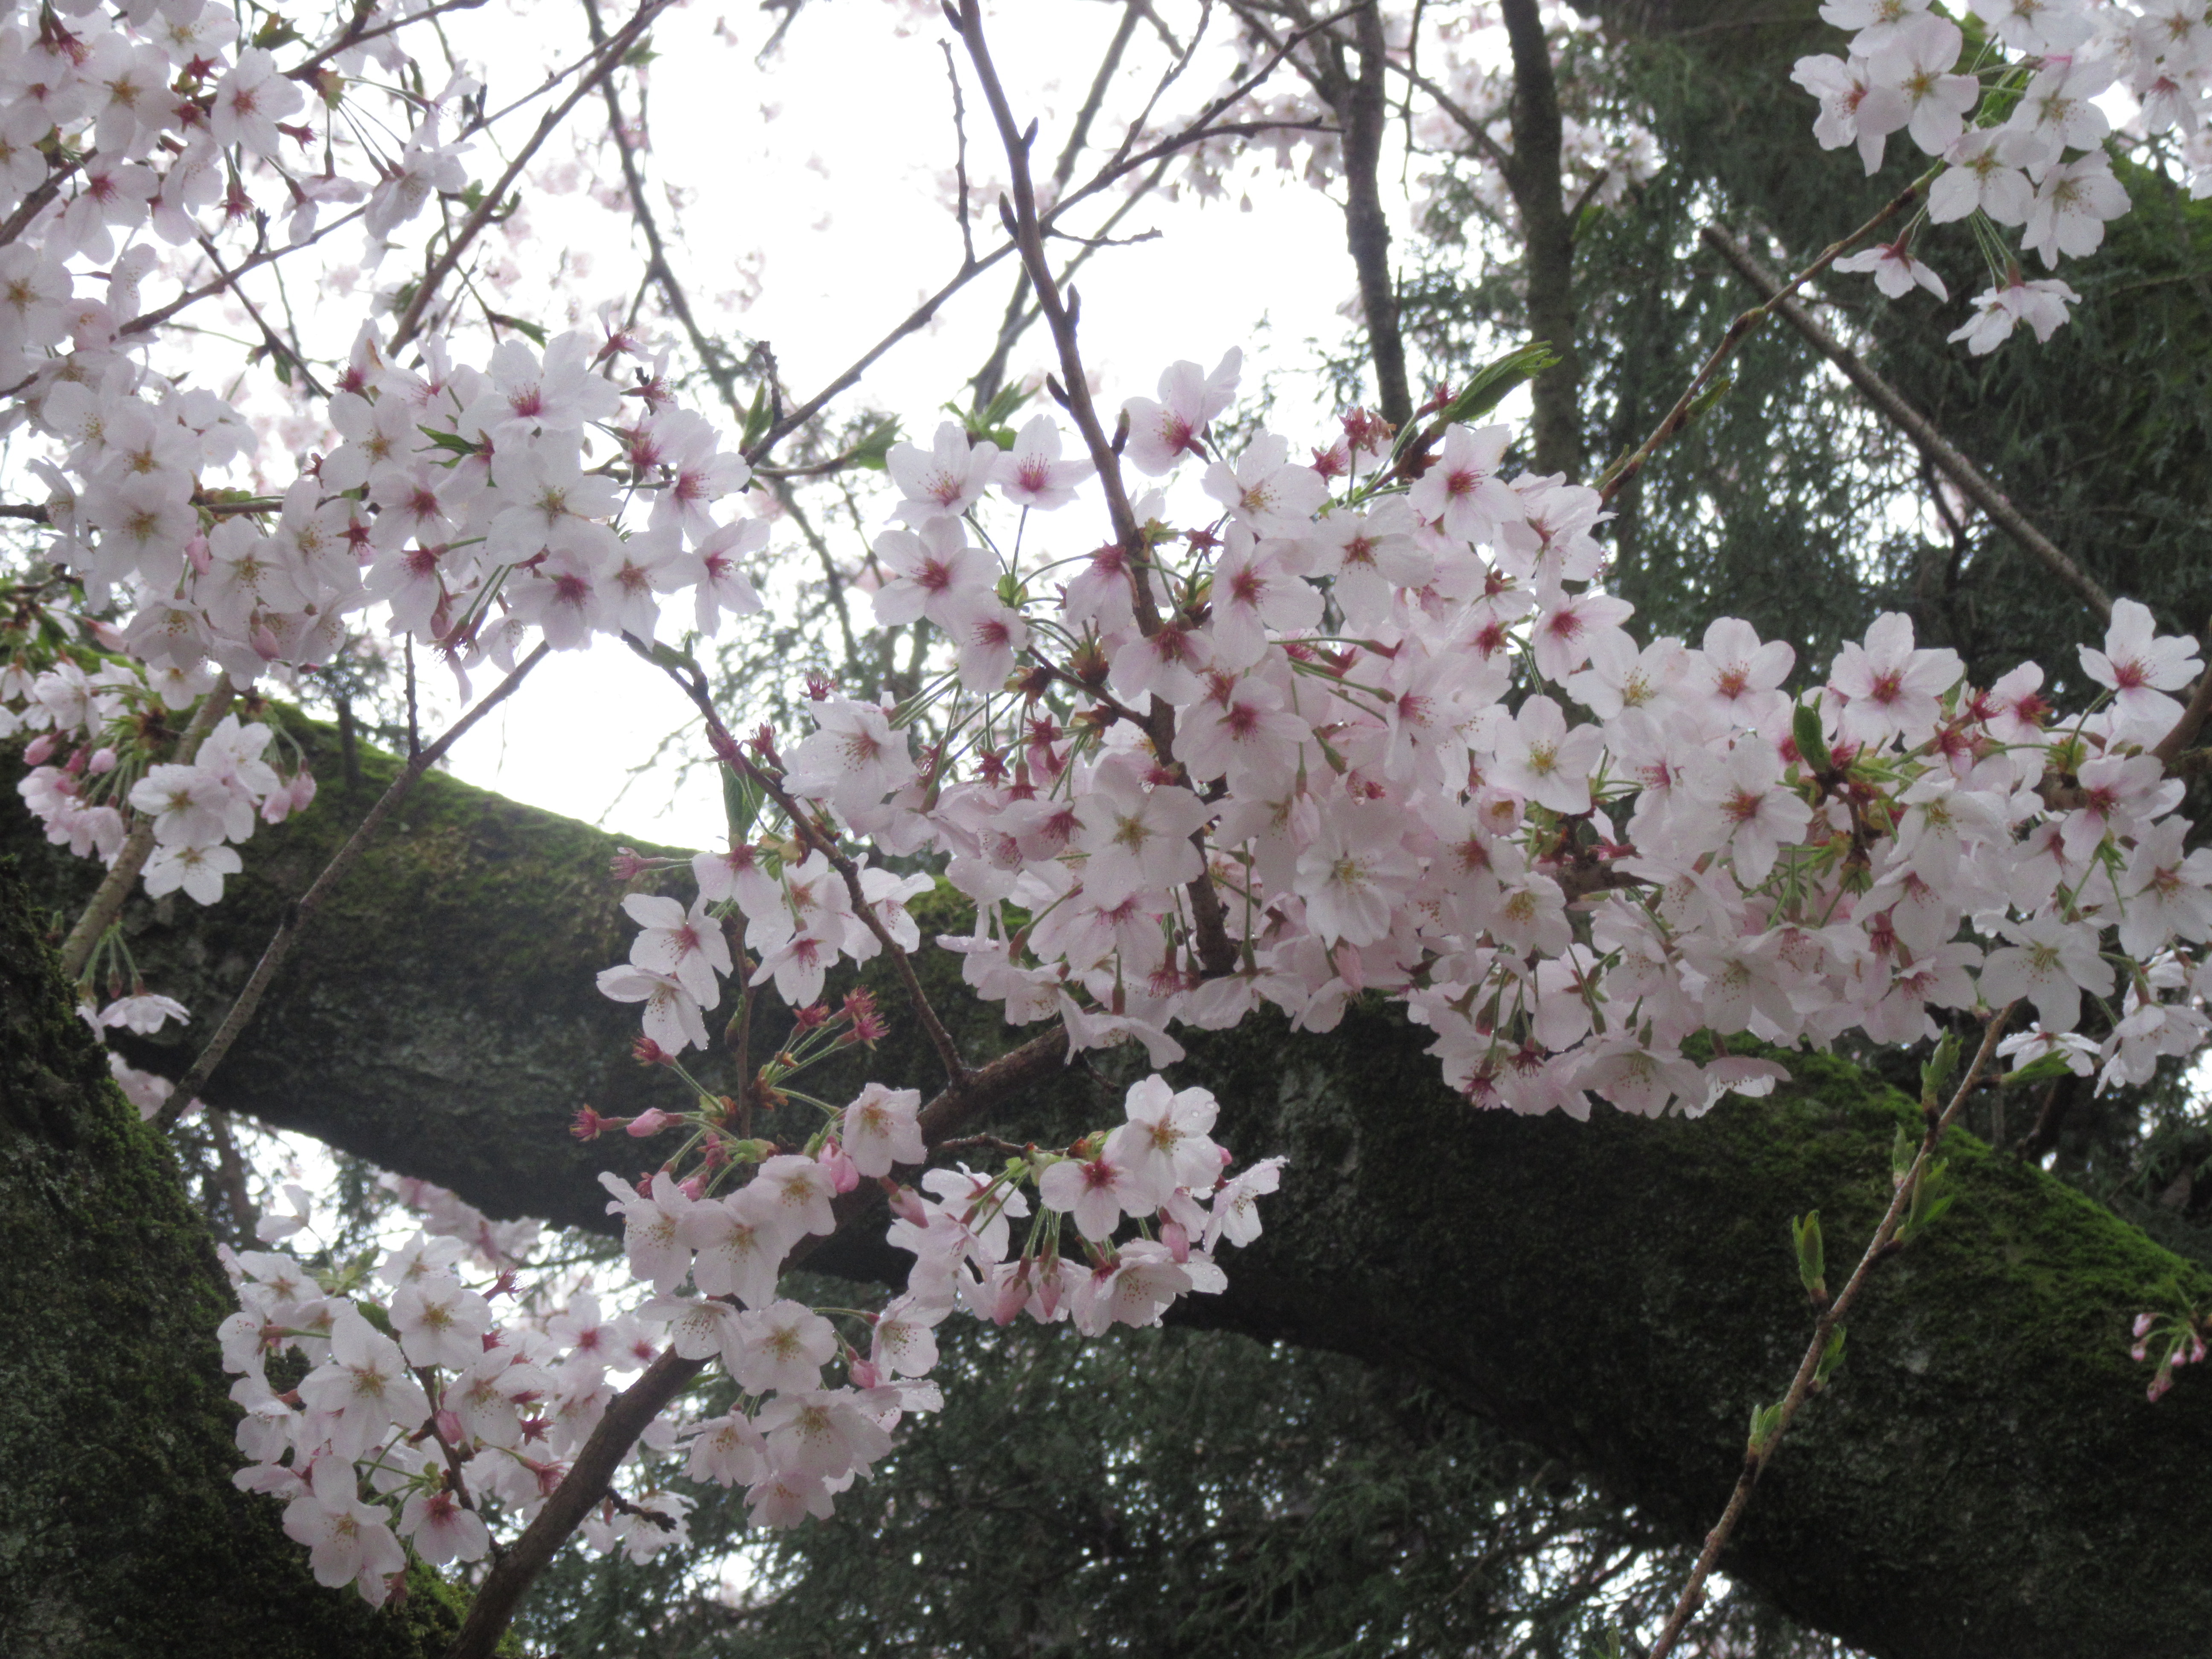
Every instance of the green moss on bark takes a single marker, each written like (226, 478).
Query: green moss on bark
(1983, 1481)
(121, 1534)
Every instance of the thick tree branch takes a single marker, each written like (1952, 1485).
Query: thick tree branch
(298, 916)
(1536, 179)
(1619, 1292)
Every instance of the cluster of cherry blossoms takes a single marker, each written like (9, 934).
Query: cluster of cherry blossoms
(2013, 119)
(451, 1419)
(1368, 725)
(90, 759)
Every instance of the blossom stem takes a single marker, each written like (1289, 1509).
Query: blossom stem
(107, 903)
(298, 915)
(1757, 1455)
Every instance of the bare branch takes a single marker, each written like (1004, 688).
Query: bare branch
(1941, 453)
(601, 63)
(1618, 474)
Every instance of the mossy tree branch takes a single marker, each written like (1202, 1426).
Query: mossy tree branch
(1983, 1478)
(121, 1534)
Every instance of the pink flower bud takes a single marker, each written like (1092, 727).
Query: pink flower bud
(102, 761)
(197, 550)
(1177, 1239)
(590, 1126)
(626, 864)
(41, 747)
(2144, 1323)
(906, 1204)
(693, 1185)
(449, 1427)
(860, 1373)
(844, 1175)
(651, 1122)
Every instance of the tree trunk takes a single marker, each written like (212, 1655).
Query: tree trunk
(1983, 1478)
(121, 1535)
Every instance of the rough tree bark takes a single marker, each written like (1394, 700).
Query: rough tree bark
(1536, 180)
(1985, 1478)
(121, 1535)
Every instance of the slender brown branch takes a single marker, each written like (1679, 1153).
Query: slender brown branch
(1941, 453)
(275, 344)
(659, 267)
(190, 296)
(1760, 1454)
(457, 243)
(137, 846)
(1621, 471)
(1362, 112)
(1206, 124)
(1058, 315)
(960, 156)
(917, 319)
(633, 1409)
(1215, 952)
(355, 35)
(297, 917)
(35, 203)
(693, 682)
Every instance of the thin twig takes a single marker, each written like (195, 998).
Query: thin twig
(632, 1411)
(1756, 1457)
(275, 342)
(659, 267)
(960, 154)
(137, 846)
(693, 683)
(1622, 471)
(1941, 455)
(299, 915)
(155, 318)
(1206, 124)
(457, 243)
(355, 35)
(1217, 954)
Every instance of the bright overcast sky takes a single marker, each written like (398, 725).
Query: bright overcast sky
(814, 188)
